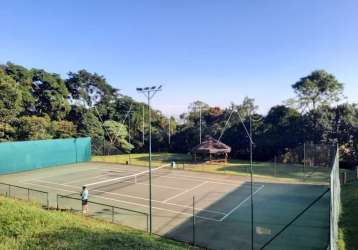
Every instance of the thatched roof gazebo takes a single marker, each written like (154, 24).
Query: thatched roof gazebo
(211, 148)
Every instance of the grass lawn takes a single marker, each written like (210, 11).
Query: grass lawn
(348, 232)
(27, 226)
(293, 172)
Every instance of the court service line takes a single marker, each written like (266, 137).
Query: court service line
(211, 180)
(122, 177)
(129, 196)
(86, 178)
(186, 191)
(240, 204)
(133, 203)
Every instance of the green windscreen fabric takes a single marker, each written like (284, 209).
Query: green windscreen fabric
(29, 155)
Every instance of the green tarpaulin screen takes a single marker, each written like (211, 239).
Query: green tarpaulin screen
(28, 155)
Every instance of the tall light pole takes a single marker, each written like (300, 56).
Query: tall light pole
(169, 130)
(252, 186)
(249, 135)
(143, 124)
(149, 92)
(200, 122)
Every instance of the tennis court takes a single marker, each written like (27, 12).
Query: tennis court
(220, 203)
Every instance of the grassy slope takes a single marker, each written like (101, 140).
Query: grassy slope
(28, 226)
(239, 167)
(349, 218)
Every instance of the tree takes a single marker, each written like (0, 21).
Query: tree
(23, 79)
(88, 89)
(318, 88)
(117, 133)
(247, 107)
(283, 128)
(10, 106)
(50, 94)
(63, 129)
(34, 128)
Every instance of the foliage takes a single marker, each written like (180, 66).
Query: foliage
(10, 105)
(28, 226)
(50, 94)
(63, 129)
(117, 134)
(36, 104)
(318, 88)
(348, 225)
(34, 128)
(88, 89)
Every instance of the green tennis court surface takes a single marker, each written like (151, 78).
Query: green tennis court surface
(221, 203)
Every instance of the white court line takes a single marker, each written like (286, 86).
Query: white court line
(186, 191)
(153, 185)
(123, 177)
(103, 174)
(133, 203)
(126, 195)
(241, 203)
(174, 176)
(160, 186)
(85, 178)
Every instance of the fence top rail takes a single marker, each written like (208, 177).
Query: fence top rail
(31, 189)
(102, 204)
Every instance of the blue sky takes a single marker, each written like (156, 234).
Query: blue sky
(216, 51)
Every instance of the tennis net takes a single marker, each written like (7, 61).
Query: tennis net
(122, 181)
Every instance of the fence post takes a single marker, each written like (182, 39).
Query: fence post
(47, 202)
(9, 190)
(193, 220)
(147, 223)
(112, 214)
(304, 159)
(275, 166)
(57, 201)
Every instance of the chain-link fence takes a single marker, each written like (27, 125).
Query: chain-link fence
(107, 212)
(335, 202)
(24, 193)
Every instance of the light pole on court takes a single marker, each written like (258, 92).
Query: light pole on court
(249, 135)
(149, 93)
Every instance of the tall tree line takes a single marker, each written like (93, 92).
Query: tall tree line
(318, 114)
(36, 104)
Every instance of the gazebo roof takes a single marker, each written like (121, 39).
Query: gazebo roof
(211, 146)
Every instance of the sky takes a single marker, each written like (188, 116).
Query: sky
(216, 51)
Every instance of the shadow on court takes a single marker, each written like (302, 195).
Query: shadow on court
(274, 207)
